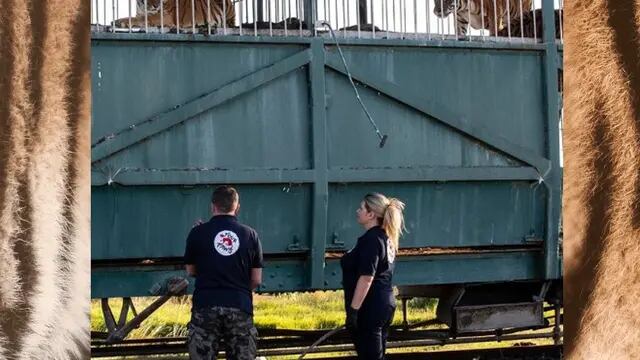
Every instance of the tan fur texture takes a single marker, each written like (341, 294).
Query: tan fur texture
(12, 146)
(44, 186)
(601, 214)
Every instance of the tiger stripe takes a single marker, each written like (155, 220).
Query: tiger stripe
(44, 182)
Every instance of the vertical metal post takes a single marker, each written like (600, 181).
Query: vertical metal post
(255, 18)
(455, 18)
(535, 28)
(261, 10)
(556, 325)
(338, 16)
(97, 15)
(324, 13)
(314, 17)
(146, 17)
(442, 20)
(246, 9)
(495, 18)
(240, 8)
(224, 16)
(561, 5)
(521, 21)
(359, 16)
(405, 323)
(115, 16)
(393, 14)
(270, 20)
(403, 22)
(428, 16)
(299, 15)
(468, 22)
(386, 16)
(508, 19)
(552, 181)
(284, 15)
(373, 19)
(177, 17)
(161, 18)
(209, 16)
(345, 17)
(320, 185)
(362, 11)
(415, 18)
(193, 16)
(129, 11)
(482, 17)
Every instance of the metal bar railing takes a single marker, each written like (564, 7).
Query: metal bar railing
(494, 20)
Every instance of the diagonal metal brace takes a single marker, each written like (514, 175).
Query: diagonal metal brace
(175, 286)
(111, 144)
(444, 115)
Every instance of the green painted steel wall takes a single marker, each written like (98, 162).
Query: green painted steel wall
(159, 217)
(468, 141)
(288, 275)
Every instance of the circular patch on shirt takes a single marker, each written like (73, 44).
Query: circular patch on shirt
(226, 243)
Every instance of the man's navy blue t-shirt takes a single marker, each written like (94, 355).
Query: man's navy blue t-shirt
(223, 251)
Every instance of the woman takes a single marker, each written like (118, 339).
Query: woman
(367, 271)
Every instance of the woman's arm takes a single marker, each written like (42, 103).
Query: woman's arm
(362, 288)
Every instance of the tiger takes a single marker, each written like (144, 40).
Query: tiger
(44, 179)
(179, 12)
(492, 15)
(601, 193)
(527, 28)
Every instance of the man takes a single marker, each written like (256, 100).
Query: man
(225, 257)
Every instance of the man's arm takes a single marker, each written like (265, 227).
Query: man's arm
(256, 278)
(256, 263)
(190, 254)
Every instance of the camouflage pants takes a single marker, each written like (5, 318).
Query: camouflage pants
(211, 326)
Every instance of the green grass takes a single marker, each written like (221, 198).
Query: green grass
(303, 311)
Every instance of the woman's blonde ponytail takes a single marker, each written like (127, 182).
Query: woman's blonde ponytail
(389, 211)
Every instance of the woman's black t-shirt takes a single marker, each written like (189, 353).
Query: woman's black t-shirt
(371, 256)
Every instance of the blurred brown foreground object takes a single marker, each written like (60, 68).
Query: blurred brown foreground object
(44, 179)
(601, 202)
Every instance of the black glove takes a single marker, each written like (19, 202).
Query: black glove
(352, 319)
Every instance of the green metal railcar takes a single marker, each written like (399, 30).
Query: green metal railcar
(473, 150)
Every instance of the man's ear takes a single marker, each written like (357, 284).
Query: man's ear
(237, 209)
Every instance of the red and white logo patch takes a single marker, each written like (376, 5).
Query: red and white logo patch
(226, 243)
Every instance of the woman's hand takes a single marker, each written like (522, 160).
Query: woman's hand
(352, 319)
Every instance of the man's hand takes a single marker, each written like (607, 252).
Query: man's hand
(191, 269)
(352, 319)
(256, 278)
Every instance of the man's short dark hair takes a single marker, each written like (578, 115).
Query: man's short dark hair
(225, 198)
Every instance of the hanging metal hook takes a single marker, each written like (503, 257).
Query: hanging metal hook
(383, 138)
